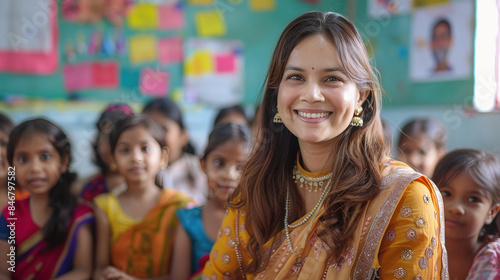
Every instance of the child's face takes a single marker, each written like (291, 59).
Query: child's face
(38, 164)
(223, 168)
(420, 153)
(138, 156)
(467, 206)
(4, 164)
(175, 137)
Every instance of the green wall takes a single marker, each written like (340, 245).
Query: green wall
(258, 31)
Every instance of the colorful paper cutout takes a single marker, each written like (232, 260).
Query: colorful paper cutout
(210, 23)
(90, 75)
(170, 50)
(262, 5)
(77, 76)
(200, 2)
(225, 63)
(143, 16)
(171, 17)
(154, 82)
(142, 49)
(199, 63)
(105, 74)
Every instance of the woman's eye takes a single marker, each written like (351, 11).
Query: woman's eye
(295, 77)
(333, 79)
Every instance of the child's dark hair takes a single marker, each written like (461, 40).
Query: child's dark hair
(171, 111)
(6, 125)
(109, 116)
(431, 128)
(230, 110)
(224, 132)
(131, 121)
(482, 167)
(61, 200)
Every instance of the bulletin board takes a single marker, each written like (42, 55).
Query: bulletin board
(388, 40)
(258, 31)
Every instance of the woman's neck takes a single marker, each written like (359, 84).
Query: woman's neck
(317, 157)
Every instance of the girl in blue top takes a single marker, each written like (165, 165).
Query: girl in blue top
(227, 149)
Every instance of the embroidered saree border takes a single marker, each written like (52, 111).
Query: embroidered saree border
(363, 269)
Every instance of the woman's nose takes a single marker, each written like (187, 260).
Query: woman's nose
(312, 93)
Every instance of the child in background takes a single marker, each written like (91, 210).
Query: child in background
(469, 181)
(184, 172)
(421, 144)
(227, 149)
(234, 114)
(109, 179)
(53, 233)
(141, 217)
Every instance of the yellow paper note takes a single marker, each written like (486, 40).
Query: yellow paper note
(199, 63)
(143, 16)
(210, 24)
(200, 2)
(142, 49)
(422, 3)
(262, 5)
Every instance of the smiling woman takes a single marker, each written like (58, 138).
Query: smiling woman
(319, 198)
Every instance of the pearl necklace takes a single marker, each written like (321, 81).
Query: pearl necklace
(311, 213)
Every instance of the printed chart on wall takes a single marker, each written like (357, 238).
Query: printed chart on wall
(214, 71)
(29, 36)
(441, 42)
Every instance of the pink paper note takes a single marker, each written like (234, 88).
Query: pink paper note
(154, 82)
(77, 76)
(105, 74)
(225, 63)
(171, 17)
(170, 50)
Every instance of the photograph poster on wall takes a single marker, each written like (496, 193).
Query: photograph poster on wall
(441, 42)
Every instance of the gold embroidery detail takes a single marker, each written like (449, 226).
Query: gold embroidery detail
(406, 254)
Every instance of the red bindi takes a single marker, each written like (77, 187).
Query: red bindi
(313, 68)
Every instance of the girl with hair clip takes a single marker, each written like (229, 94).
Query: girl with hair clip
(53, 233)
(421, 144)
(469, 181)
(227, 149)
(108, 179)
(184, 172)
(143, 216)
(319, 198)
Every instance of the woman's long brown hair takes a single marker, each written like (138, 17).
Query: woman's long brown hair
(358, 160)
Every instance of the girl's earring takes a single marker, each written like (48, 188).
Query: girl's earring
(356, 119)
(112, 167)
(277, 117)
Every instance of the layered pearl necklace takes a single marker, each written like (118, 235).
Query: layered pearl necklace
(306, 218)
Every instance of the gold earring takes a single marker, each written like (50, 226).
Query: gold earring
(112, 167)
(277, 117)
(356, 119)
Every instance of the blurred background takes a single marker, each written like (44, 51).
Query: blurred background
(67, 60)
